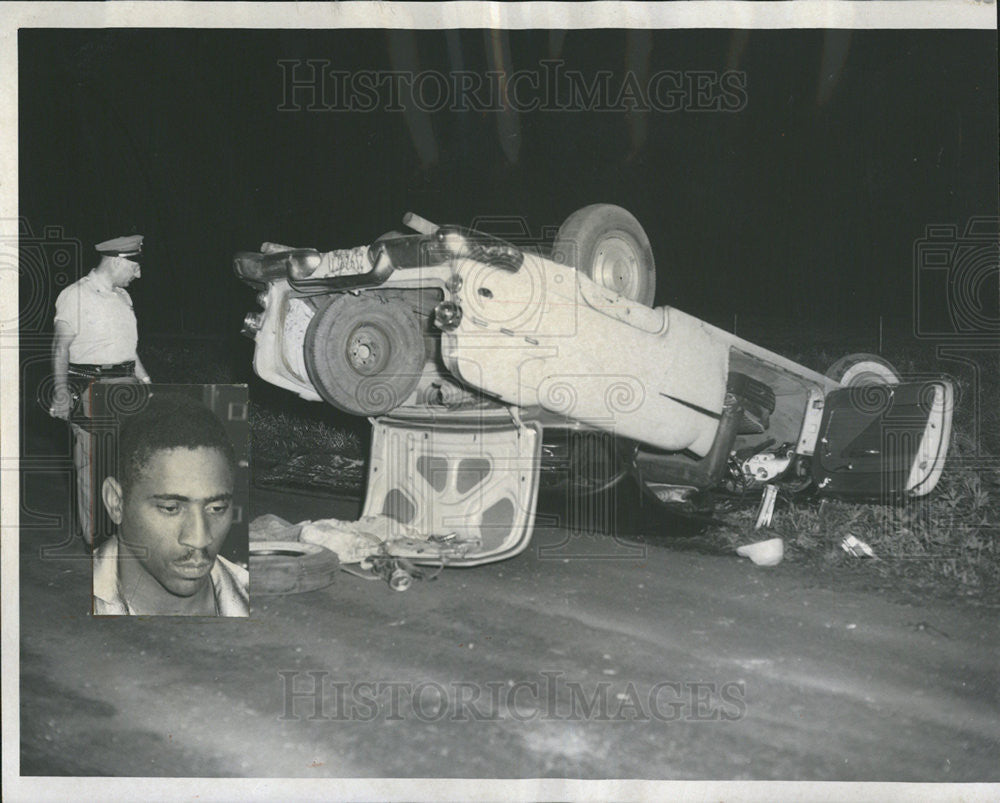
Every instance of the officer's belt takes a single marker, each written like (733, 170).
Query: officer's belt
(111, 370)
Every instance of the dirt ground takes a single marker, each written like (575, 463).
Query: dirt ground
(585, 657)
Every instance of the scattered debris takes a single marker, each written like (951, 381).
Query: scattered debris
(354, 541)
(766, 510)
(378, 544)
(398, 572)
(400, 579)
(926, 627)
(274, 528)
(857, 548)
(764, 553)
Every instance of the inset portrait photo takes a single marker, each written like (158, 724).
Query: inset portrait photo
(171, 476)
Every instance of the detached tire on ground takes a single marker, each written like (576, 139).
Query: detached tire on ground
(364, 354)
(607, 244)
(290, 567)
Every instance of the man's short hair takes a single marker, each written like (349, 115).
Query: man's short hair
(168, 421)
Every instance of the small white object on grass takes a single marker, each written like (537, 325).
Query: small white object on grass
(857, 548)
(764, 553)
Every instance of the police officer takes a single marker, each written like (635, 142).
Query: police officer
(95, 340)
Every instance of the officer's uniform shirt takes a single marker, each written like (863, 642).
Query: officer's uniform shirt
(102, 321)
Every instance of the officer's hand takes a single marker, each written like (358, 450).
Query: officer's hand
(62, 403)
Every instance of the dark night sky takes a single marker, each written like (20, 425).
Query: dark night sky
(807, 201)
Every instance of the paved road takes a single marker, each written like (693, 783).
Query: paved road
(655, 663)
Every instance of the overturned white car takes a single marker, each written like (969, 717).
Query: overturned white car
(463, 348)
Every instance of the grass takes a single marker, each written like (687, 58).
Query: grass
(279, 436)
(945, 543)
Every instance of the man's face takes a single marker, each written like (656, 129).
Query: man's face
(126, 269)
(176, 516)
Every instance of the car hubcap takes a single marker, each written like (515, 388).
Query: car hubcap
(616, 265)
(368, 350)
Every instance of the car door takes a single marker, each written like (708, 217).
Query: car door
(884, 441)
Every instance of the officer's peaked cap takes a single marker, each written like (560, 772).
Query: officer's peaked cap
(121, 246)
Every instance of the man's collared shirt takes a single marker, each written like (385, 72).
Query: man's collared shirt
(230, 584)
(102, 321)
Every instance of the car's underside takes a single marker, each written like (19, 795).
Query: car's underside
(451, 334)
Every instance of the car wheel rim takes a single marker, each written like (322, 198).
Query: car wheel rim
(368, 350)
(616, 265)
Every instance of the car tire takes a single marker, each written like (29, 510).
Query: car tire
(364, 354)
(858, 370)
(290, 567)
(607, 244)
